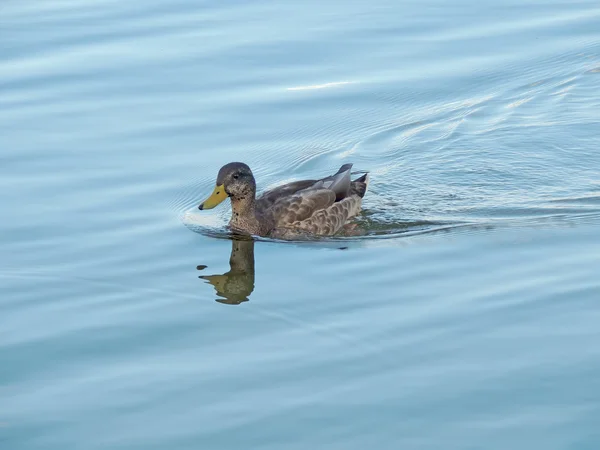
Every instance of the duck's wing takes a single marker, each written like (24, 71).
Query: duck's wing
(320, 213)
(268, 199)
(300, 206)
(339, 183)
(314, 206)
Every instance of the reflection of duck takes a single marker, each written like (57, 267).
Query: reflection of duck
(237, 284)
(307, 207)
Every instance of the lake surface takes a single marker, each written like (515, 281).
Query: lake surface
(464, 316)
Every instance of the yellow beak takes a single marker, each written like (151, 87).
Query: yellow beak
(217, 196)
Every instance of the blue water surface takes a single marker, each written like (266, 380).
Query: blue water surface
(464, 314)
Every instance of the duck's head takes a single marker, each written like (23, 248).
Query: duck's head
(234, 180)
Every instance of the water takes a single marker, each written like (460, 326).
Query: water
(464, 317)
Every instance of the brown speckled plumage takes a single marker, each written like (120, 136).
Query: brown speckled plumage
(300, 208)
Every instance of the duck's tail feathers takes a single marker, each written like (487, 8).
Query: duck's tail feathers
(344, 168)
(360, 185)
(340, 182)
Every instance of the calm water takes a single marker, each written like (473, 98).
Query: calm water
(465, 317)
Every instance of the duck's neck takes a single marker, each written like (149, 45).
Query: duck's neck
(243, 206)
(243, 210)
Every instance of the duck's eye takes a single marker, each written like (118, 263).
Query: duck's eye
(235, 176)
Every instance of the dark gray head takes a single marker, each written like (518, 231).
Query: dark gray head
(234, 180)
(237, 179)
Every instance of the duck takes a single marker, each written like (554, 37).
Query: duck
(303, 208)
